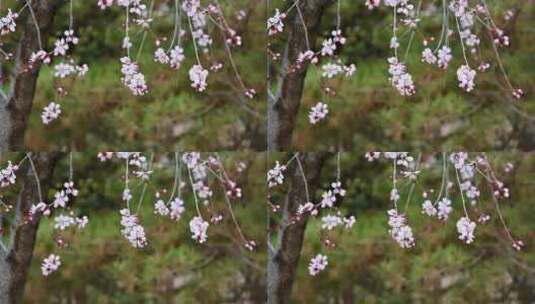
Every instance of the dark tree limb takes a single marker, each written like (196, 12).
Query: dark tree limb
(283, 104)
(283, 257)
(16, 108)
(16, 260)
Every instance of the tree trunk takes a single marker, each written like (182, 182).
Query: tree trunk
(283, 105)
(16, 109)
(15, 260)
(283, 258)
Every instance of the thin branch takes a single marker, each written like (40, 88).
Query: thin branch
(304, 179)
(37, 181)
(32, 13)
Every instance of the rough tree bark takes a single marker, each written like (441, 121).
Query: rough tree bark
(16, 107)
(283, 257)
(15, 257)
(283, 104)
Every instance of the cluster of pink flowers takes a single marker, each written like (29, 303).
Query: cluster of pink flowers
(466, 77)
(198, 75)
(63, 69)
(7, 23)
(132, 231)
(331, 221)
(174, 209)
(333, 69)
(63, 222)
(317, 264)
(198, 228)
(399, 230)
(318, 113)
(400, 78)
(50, 264)
(103, 4)
(275, 176)
(132, 78)
(275, 24)
(50, 113)
(191, 7)
(8, 175)
(61, 198)
(173, 58)
(466, 228)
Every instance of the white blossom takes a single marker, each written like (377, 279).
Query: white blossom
(176, 209)
(132, 78)
(63, 221)
(132, 231)
(466, 228)
(127, 195)
(349, 222)
(371, 4)
(275, 176)
(191, 159)
(198, 229)
(275, 24)
(61, 47)
(466, 76)
(7, 23)
(191, 7)
(328, 47)
(327, 199)
(331, 69)
(50, 264)
(7, 175)
(103, 4)
(161, 56)
(444, 209)
(63, 69)
(317, 264)
(331, 221)
(318, 113)
(161, 208)
(50, 113)
(337, 188)
(176, 57)
(304, 208)
(82, 222)
(198, 76)
(428, 208)
(428, 56)
(444, 57)
(60, 199)
(399, 77)
(400, 231)
(458, 159)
